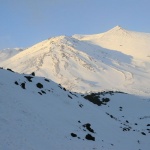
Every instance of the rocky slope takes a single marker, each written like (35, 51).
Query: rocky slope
(37, 114)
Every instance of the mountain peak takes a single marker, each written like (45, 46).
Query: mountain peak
(79, 63)
(117, 28)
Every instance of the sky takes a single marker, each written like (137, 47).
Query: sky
(24, 23)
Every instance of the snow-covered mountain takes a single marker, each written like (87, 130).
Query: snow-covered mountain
(115, 60)
(8, 53)
(135, 44)
(38, 114)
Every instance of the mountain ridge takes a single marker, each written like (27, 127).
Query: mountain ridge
(83, 66)
(8, 53)
(117, 38)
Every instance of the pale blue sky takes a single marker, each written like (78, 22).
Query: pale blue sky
(24, 23)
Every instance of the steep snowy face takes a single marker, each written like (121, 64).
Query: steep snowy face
(135, 44)
(82, 64)
(8, 53)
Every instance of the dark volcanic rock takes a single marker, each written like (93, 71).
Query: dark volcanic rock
(23, 85)
(73, 135)
(88, 127)
(28, 78)
(90, 137)
(39, 85)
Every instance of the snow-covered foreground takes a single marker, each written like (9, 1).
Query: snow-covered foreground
(115, 60)
(38, 114)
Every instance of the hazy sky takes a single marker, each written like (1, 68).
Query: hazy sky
(27, 22)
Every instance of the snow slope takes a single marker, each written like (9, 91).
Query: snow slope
(8, 53)
(115, 60)
(38, 114)
(135, 44)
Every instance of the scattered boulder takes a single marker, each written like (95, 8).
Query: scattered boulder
(9, 70)
(64, 89)
(90, 137)
(120, 108)
(127, 121)
(143, 133)
(47, 80)
(16, 83)
(39, 85)
(43, 92)
(28, 78)
(88, 127)
(81, 105)
(40, 93)
(73, 135)
(33, 73)
(23, 85)
(105, 100)
(126, 129)
(73, 94)
(69, 96)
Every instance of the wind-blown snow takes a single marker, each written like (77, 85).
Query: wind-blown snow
(38, 114)
(115, 60)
